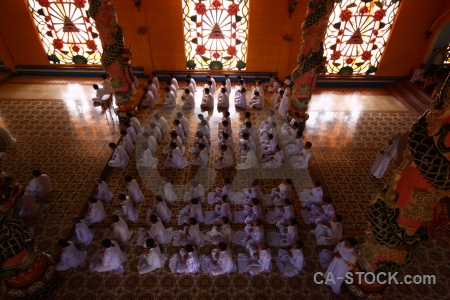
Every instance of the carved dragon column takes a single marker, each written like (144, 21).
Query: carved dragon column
(115, 59)
(310, 60)
(405, 211)
(26, 272)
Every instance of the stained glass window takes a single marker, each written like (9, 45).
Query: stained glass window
(216, 33)
(67, 33)
(358, 31)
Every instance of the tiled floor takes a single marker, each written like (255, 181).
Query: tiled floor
(60, 132)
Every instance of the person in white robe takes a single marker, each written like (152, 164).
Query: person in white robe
(223, 100)
(119, 158)
(192, 210)
(316, 215)
(110, 258)
(253, 192)
(222, 233)
(128, 212)
(227, 141)
(40, 186)
(125, 141)
(246, 144)
(386, 154)
(156, 132)
(174, 81)
(162, 123)
(240, 101)
(199, 139)
(160, 209)
(329, 234)
(148, 98)
(206, 131)
(135, 123)
(177, 140)
(192, 88)
(152, 143)
(96, 211)
(31, 208)
(172, 88)
(190, 234)
(175, 159)
(71, 257)
(274, 86)
(99, 93)
(103, 191)
(269, 149)
(192, 81)
(84, 235)
(339, 263)
(154, 80)
(167, 192)
(151, 259)
(118, 231)
(286, 236)
(202, 158)
(186, 261)
(274, 161)
(225, 159)
(264, 137)
(249, 161)
(225, 128)
(155, 231)
(197, 191)
(259, 261)
(130, 131)
(220, 210)
(179, 130)
(251, 212)
(283, 191)
(169, 99)
(213, 83)
(295, 148)
(284, 105)
(146, 159)
(133, 190)
(184, 124)
(291, 262)
(219, 262)
(252, 235)
(228, 83)
(6, 139)
(257, 100)
(281, 215)
(207, 100)
(301, 161)
(313, 196)
(187, 99)
(265, 125)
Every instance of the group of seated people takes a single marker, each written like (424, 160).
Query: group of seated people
(190, 238)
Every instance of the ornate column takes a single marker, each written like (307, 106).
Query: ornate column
(405, 211)
(26, 272)
(115, 59)
(310, 59)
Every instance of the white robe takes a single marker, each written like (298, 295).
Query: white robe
(250, 237)
(39, 186)
(162, 125)
(176, 160)
(119, 158)
(170, 100)
(282, 239)
(188, 100)
(223, 233)
(148, 100)
(240, 100)
(315, 216)
(136, 125)
(132, 133)
(294, 148)
(276, 162)
(328, 236)
(253, 265)
(191, 234)
(338, 266)
(152, 144)
(168, 193)
(163, 212)
(257, 101)
(228, 85)
(129, 212)
(83, 233)
(223, 265)
(290, 266)
(311, 197)
(180, 264)
(301, 161)
(159, 233)
(180, 132)
(119, 231)
(207, 101)
(249, 214)
(202, 158)
(277, 216)
(382, 162)
(112, 260)
(71, 257)
(154, 89)
(174, 82)
(157, 134)
(134, 191)
(248, 162)
(103, 192)
(151, 261)
(173, 89)
(127, 144)
(226, 162)
(96, 213)
(197, 192)
(191, 211)
(223, 100)
(147, 160)
(220, 210)
(185, 124)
